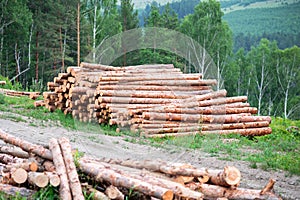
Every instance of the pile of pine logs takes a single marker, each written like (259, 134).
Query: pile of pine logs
(31, 95)
(27, 167)
(153, 100)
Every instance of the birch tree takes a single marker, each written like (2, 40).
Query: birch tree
(287, 69)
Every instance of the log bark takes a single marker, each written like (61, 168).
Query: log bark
(49, 166)
(26, 146)
(201, 82)
(102, 174)
(14, 151)
(229, 177)
(64, 189)
(14, 191)
(214, 191)
(245, 132)
(114, 193)
(2, 82)
(155, 88)
(71, 169)
(38, 179)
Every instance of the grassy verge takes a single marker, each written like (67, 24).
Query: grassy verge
(279, 150)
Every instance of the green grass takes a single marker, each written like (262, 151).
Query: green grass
(279, 150)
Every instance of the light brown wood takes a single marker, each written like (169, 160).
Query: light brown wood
(71, 169)
(38, 179)
(113, 192)
(26, 146)
(214, 191)
(99, 172)
(2, 82)
(64, 188)
(19, 176)
(14, 151)
(268, 187)
(230, 176)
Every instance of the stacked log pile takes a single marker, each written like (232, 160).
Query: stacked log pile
(26, 167)
(31, 95)
(154, 100)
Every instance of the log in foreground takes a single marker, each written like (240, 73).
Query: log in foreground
(64, 189)
(26, 146)
(229, 176)
(214, 191)
(100, 173)
(71, 169)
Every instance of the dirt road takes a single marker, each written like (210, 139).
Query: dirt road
(100, 145)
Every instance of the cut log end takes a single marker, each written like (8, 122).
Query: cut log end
(19, 176)
(168, 195)
(232, 175)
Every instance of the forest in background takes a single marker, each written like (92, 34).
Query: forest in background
(38, 39)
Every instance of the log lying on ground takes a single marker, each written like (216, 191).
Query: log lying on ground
(64, 189)
(26, 146)
(214, 191)
(2, 82)
(38, 179)
(14, 151)
(71, 169)
(100, 173)
(230, 176)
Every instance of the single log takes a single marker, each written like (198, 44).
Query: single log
(14, 151)
(128, 100)
(114, 193)
(151, 77)
(38, 179)
(184, 179)
(54, 179)
(71, 169)
(19, 176)
(200, 82)
(2, 82)
(14, 191)
(180, 169)
(214, 191)
(99, 67)
(100, 173)
(245, 132)
(144, 94)
(154, 88)
(27, 166)
(26, 146)
(230, 176)
(39, 103)
(64, 189)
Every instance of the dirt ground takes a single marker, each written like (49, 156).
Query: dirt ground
(99, 145)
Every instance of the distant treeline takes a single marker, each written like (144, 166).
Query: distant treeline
(249, 26)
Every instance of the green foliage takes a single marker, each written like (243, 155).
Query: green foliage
(47, 193)
(251, 25)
